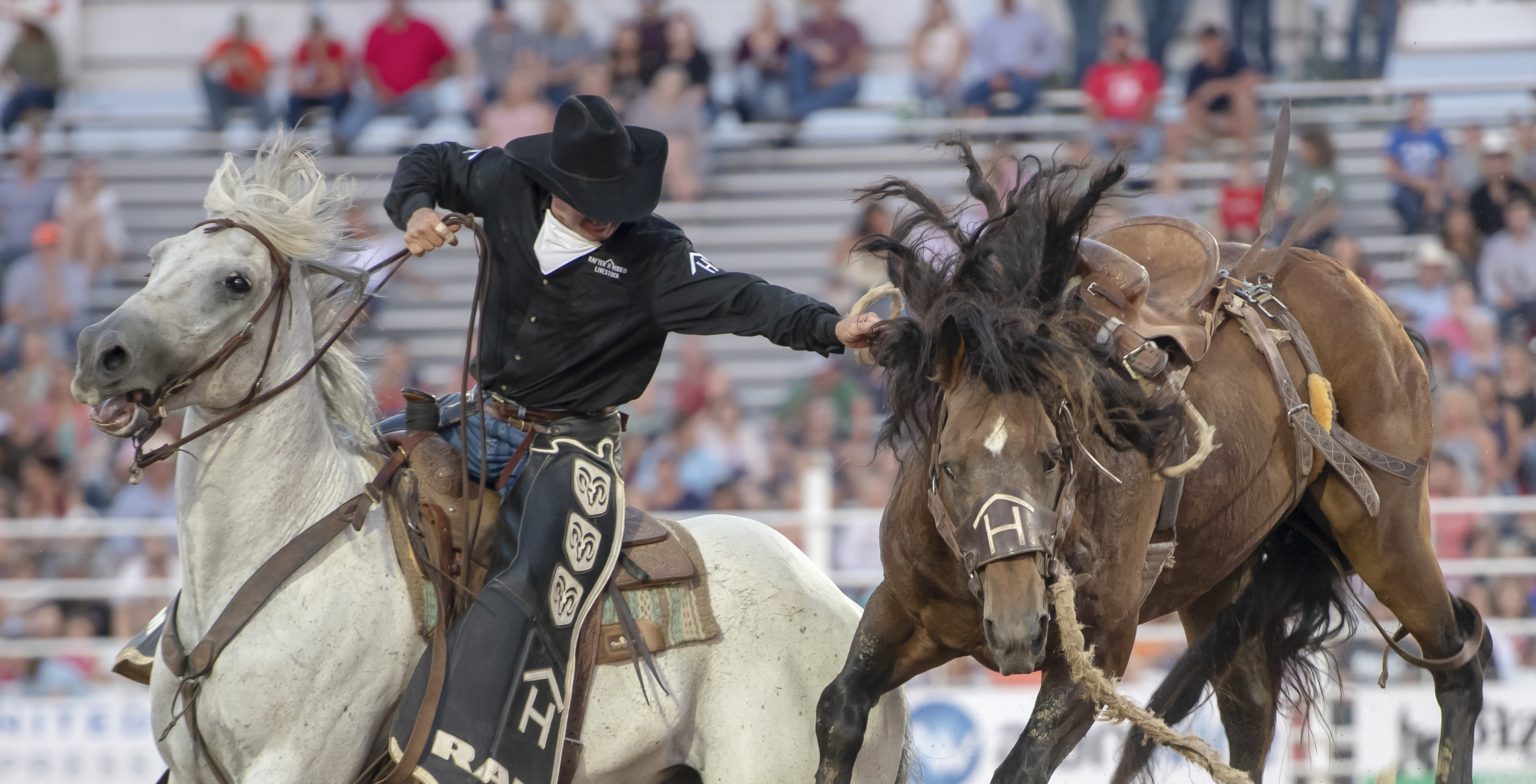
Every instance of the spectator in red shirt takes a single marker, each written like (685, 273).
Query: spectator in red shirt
(402, 62)
(826, 62)
(234, 75)
(1242, 201)
(319, 75)
(1121, 92)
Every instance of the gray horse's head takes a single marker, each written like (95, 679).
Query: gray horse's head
(205, 287)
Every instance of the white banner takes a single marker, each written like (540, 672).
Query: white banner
(102, 739)
(1403, 732)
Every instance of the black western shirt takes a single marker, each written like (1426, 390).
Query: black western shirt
(589, 335)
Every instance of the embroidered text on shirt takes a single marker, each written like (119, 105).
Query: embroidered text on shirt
(607, 267)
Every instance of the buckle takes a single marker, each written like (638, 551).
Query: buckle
(1130, 357)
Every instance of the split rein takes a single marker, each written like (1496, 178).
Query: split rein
(278, 295)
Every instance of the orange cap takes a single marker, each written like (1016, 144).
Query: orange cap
(46, 234)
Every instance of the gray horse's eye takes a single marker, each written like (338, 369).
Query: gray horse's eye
(237, 283)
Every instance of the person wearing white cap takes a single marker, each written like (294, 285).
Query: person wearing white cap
(1507, 269)
(1499, 185)
(1427, 299)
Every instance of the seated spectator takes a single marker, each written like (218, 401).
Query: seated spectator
(652, 29)
(1455, 327)
(826, 62)
(26, 200)
(1498, 187)
(1347, 252)
(1310, 173)
(762, 69)
(44, 292)
(496, 48)
(862, 269)
(234, 75)
(1241, 204)
(1467, 160)
(1012, 51)
(1167, 197)
(670, 106)
(1219, 96)
(1460, 236)
(1482, 353)
(154, 498)
(33, 66)
(1525, 149)
(1120, 93)
(626, 67)
(520, 110)
(1460, 433)
(403, 60)
(683, 52)
(938, 54)
(318, 77)
(1507, 268)
(566, 47)
(1418, 164)
(87, 212)
(1428, 298)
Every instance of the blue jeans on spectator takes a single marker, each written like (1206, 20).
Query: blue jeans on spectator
(1163, 20)
(222, 99)
(1147, 148)
(298, 106)
(805, 96)
(1018, 99)
(760, 96)
(1087, 20)
(27, 98)
(1385, 17)
(418, 102)
(1409, 205)
(1255, 14)
(504, 440)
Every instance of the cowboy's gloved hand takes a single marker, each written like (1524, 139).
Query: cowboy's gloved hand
(853, 331)
(426, 231)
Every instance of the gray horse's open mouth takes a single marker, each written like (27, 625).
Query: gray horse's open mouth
(123, 415)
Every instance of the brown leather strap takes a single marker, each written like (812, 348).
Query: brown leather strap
(517, 455)
(193, 668)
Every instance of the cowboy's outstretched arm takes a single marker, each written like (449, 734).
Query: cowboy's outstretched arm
(447, 175)
(693, 296)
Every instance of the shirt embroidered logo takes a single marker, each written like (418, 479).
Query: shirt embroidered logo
(607, 267)
(696, 262)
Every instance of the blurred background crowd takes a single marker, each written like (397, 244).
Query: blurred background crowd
(1464, 192)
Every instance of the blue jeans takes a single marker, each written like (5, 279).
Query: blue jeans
(502, 444)
(419, 103)
(806, 97)
(1087, 22)
(299, 106)
(1163, 20)
(1386, 33)
(1019, 98)
(27, 98)
(1255, 14)
(1409, 205)
(222, 99)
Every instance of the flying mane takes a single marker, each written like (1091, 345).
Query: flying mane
(1004, 285)
(284, 195)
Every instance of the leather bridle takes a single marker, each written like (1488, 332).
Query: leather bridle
(255, 396)
(1004, 525)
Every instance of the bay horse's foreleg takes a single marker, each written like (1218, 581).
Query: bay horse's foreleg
(1394, 556)
(889, 648)
(1247, 693)
(1062, 714)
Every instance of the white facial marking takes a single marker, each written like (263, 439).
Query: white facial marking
(999, 437)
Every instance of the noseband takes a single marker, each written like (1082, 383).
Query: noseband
(1004, 525)
(255, 396)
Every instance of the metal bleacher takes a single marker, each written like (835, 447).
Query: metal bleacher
(773, 211)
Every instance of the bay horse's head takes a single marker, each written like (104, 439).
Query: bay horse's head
(995, 383)
(227, 307)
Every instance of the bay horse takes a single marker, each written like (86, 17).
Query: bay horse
(1014, 421)
(300, 696)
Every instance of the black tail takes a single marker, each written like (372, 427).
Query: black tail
(1294, 604)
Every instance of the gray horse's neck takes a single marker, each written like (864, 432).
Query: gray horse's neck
(247, 488)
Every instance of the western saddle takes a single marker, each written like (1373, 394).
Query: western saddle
(1151, 281)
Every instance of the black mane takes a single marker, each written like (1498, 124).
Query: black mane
(1003, 285)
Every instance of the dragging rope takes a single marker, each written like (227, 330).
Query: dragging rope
(870, 298)
(1116, 706)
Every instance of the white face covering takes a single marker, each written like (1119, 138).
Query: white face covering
(558, 245)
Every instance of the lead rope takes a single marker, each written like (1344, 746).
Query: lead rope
(1100, 688)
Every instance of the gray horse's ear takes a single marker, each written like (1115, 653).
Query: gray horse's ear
(951, 354)
(221, 197)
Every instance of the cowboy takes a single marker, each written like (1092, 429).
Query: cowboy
(584, 285)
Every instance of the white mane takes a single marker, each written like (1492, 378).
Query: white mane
(284, 195)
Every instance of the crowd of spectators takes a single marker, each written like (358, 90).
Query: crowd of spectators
(692, 444)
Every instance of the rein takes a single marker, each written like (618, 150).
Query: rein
(255, 396)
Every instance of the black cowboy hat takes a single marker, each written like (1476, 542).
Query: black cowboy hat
(608, 171)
